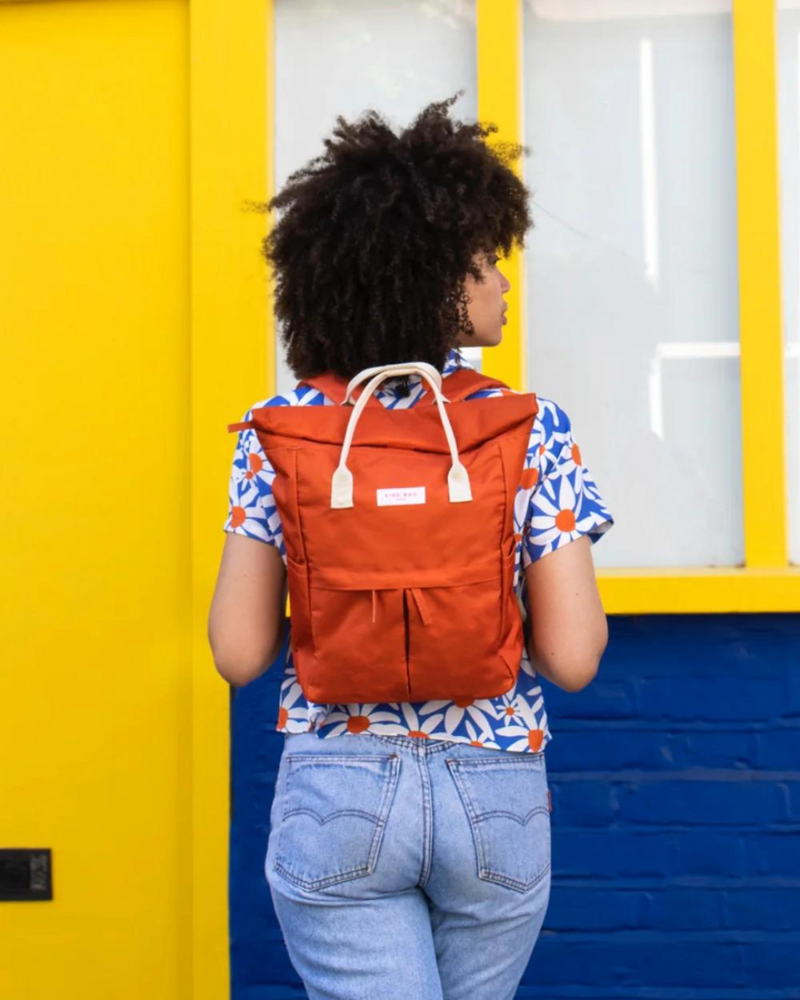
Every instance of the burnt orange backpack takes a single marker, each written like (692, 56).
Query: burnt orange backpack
(399, 534)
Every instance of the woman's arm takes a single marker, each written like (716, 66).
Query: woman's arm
(247, 617)
(569, 630)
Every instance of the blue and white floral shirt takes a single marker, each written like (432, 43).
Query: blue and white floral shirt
(557, 502)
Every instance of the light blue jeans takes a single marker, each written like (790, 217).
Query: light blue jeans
(408, 869)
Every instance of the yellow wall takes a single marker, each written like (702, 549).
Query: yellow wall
(95, 457)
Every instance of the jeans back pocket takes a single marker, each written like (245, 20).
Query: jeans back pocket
(334, 814)
(505, 801)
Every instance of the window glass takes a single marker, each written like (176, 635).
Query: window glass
(341, 57)
(631, 269)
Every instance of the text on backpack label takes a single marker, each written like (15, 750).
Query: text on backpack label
(401, 495)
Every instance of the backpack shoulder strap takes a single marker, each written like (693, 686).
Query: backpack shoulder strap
(328, 384)
(335, 387)
(242, 425)
(455, 387)
(465, 381)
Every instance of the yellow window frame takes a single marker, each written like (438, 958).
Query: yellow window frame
(766, 581)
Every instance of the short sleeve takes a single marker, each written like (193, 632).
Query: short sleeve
(251, 505)
(564, 501)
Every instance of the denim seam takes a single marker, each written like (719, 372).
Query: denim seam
(427, 825)
(514, 761)
(419, 746)
(514, 883)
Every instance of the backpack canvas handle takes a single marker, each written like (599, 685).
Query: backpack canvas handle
(457, 479)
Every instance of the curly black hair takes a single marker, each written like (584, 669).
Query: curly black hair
(378, 233)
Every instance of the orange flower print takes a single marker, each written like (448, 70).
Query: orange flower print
(246, 515)
(480, 710)
(522, 726)
(556, 520)
(570, 462)
(292, 714)
(415, 726)
(355, 718)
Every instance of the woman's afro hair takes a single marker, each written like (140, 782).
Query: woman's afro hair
(377, 235)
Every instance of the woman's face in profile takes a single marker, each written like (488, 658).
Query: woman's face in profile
(486, 307)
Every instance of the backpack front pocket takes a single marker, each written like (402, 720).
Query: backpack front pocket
(431, 635)
(457, 635)
(359, 642)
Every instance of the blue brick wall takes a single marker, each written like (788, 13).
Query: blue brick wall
(675, 780)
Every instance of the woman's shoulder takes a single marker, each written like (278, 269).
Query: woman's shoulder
(551, 417)
(304, 395)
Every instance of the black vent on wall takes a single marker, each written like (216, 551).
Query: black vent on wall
(25, 873)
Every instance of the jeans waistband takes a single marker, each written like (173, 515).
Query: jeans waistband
(418, 743)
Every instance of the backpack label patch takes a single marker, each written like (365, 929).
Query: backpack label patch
(401, 495)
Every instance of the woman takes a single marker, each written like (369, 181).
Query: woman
(409, 848)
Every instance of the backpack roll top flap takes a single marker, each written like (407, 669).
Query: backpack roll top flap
(474, 422)
(405, 595)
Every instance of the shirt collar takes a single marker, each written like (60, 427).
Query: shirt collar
(455, 360)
